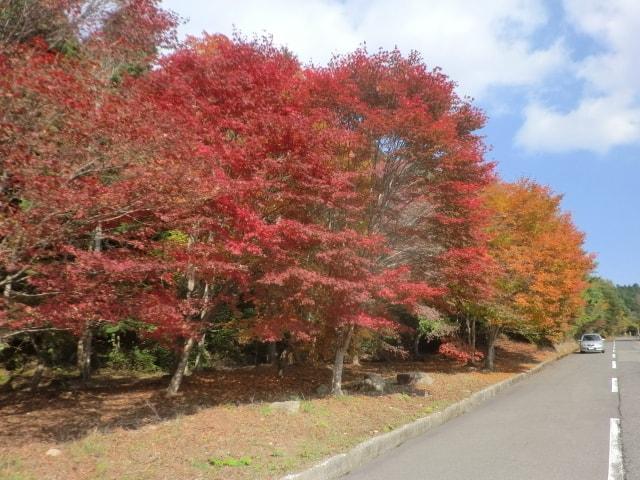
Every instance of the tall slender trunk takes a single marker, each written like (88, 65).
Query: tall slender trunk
(84, 353)
(40, 368)
(355, 350)
(272, 353)
(468, 327)
(178, 374)
(282, 360)
(85, 342)
(97, 239)
(473, 337)
(355, 360)
(37, 376)
(416, 346)
(338, 365)
(183, 364)
(492, 336)
(201, 350)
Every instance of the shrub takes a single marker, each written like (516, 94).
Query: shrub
(459, 352)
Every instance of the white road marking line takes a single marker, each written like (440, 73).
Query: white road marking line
(616, 469)
(613, 364)
(614, 385)
(613, 356)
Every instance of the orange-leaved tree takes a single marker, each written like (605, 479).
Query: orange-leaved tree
(541, 260)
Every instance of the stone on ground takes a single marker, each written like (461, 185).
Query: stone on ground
(53, 452)
(323, 390)
(419, 380)
(374, 381)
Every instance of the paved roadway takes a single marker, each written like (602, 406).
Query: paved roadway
(555, 425)
(628, 354)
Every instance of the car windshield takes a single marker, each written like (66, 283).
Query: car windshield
(590, 337)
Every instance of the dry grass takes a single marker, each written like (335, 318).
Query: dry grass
(221, 426)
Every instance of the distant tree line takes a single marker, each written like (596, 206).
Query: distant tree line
(610, 309)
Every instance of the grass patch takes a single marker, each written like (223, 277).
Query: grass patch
(307, 407)
(322, 424)
(310, 450)
(11, 469)
(230, 462)
(201, 465)
(314, 408)
(102, 467)
(266, 410)
(436, 406)
(90, 446)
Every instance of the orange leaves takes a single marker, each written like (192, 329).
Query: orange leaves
(540, 256)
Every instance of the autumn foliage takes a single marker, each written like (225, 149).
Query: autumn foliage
(305, 203)
(459, 352)
(542, 266)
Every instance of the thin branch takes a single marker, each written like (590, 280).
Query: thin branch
(33, 330)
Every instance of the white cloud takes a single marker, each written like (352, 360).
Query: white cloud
(478, 44)
(597, 124)
(608, 114)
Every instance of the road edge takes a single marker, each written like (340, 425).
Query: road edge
(343, 463)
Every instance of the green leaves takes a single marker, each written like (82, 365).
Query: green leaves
(434, 328)
(177, 237)
(605, 309)
(25, 204)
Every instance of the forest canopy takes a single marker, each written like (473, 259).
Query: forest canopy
(198, 200)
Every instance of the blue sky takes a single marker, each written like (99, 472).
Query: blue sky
(559, 81)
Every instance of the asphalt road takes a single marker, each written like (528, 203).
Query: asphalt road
(554, 425)
(628, 367)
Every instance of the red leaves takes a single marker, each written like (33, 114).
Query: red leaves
(459, 352)
(324, 196)
(371, 322)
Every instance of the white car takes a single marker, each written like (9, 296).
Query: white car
(591, 342)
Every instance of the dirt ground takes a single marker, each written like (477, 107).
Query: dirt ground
(221, 426)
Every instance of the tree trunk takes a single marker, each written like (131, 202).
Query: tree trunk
(282, 360)
(85, 341)
(416, 346)
(473, 335)
(37, 376)
(201, 347)
(468, 327)
(473, 338)
(355, 349)
(84, 353)
(272, 353)
(338, 364)
(40, 368)
(355, 360)
(492, 336)
(176, 379)
(97, 239)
